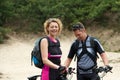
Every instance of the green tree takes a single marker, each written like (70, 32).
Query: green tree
(6, 7)
(30, 14)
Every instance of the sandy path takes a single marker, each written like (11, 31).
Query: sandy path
(15, 60)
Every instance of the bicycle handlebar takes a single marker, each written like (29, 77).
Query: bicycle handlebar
(71, 70)
(100, 69)
(104, 69)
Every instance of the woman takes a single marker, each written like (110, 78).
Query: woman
(50, 49)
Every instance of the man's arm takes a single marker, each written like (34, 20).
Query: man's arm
(70, 54)
(101, 51)
(67, 62)
(104, 58)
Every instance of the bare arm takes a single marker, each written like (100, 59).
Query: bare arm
(104, 58)
(44, 52)
(67, 62)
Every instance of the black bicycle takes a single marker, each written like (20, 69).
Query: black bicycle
(65, 76)
(102, 71)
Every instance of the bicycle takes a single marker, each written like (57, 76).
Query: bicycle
(65, 76)
(102, 71)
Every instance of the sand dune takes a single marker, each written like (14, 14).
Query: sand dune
(15, 59)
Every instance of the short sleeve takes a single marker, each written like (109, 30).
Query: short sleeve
(99, 47)
(72, 50)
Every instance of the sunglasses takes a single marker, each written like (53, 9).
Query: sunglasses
(76, 27)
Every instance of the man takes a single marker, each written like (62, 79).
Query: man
(85, 48)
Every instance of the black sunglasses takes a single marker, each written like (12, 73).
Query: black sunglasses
(77, 26)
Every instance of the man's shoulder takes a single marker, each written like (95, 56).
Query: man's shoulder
(93, 38)
(75, 44)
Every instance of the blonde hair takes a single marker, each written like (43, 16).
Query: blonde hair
(48, 21)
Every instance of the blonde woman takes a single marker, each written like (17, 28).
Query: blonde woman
(50, 50)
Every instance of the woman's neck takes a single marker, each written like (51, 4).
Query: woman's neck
(52, 38)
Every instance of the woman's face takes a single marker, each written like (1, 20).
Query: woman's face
(53, 29)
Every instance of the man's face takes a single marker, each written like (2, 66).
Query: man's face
(79, 33)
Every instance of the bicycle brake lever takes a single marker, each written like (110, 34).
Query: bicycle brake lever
(111, 71)
(73, 72)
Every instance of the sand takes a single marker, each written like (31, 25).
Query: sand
(15, 60)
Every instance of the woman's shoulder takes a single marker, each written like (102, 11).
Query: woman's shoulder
(44, 40)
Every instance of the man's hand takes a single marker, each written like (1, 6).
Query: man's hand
(62, 69)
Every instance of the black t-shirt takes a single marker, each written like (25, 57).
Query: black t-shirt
(73, 51)
(85, 61)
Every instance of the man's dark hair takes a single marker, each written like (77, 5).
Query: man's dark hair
(78, 25)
